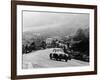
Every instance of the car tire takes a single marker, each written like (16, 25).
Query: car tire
(50, 56)
(66, 60)
(57, 59)
(69, 58)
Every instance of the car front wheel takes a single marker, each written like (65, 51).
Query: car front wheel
(50, 56)
(66, 60)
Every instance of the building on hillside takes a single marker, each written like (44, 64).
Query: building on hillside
(48, 42)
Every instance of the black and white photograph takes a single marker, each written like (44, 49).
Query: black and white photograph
(54, 39)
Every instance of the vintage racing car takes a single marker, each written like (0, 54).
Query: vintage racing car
(58, 54)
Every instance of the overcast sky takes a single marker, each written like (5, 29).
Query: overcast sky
(43, 20)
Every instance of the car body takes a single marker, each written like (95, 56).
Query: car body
(58, 54)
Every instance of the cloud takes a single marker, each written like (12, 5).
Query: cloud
(46, 20)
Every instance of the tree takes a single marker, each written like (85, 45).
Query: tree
(79, 35)
(33, 46)
(83, 46)
(43, 44)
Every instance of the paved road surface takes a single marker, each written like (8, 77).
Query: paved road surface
(40, 59)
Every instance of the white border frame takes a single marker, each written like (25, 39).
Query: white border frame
(21, 71)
